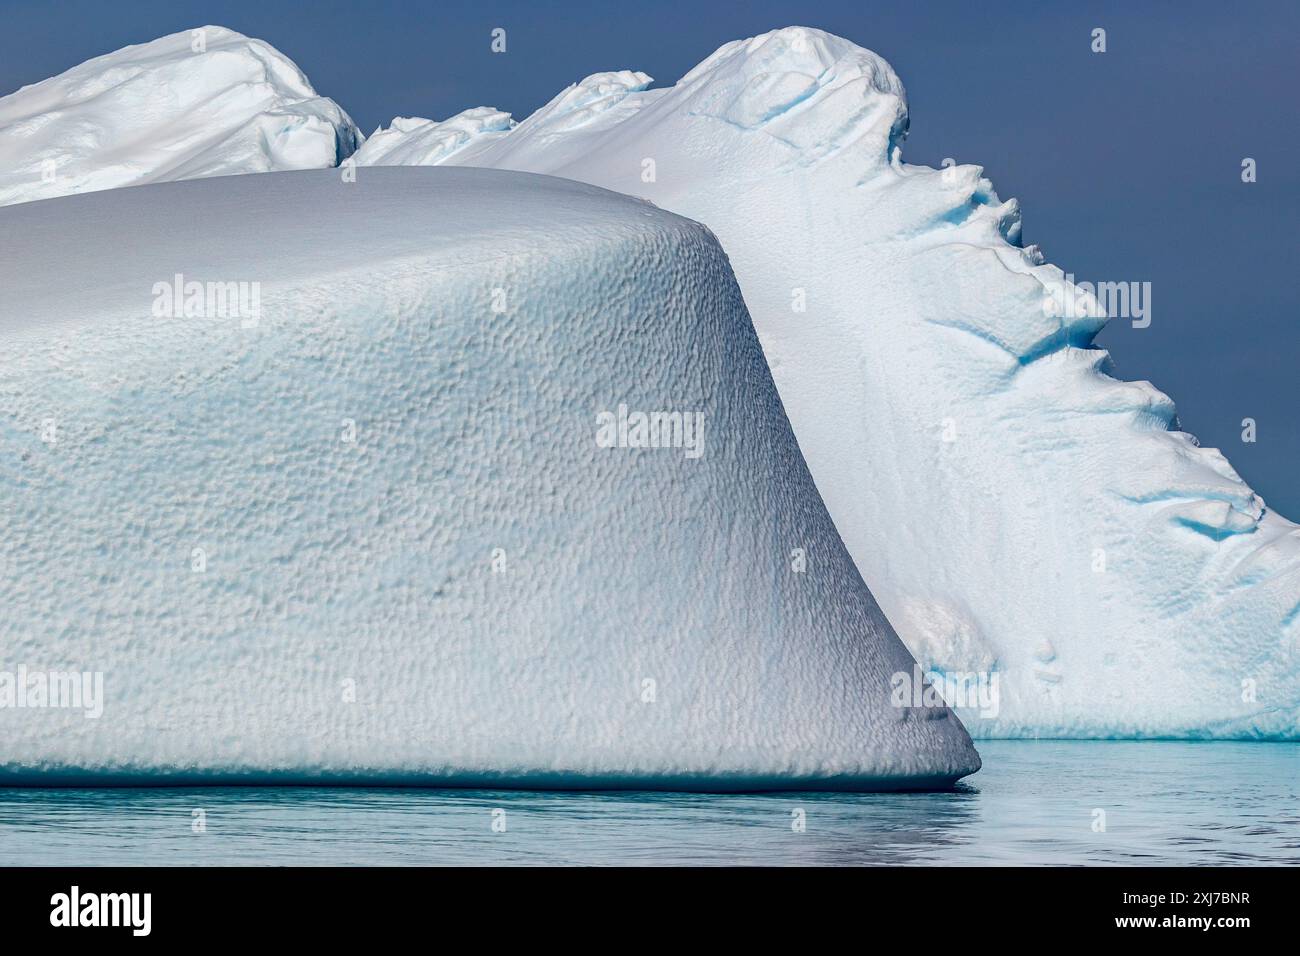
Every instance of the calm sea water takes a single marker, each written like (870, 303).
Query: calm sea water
(1034, 802)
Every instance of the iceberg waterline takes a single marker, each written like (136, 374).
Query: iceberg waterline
(374, 536)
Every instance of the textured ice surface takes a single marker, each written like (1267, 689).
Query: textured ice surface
(390, 486)
(1014, 507)
(422, 142)
(207, 102)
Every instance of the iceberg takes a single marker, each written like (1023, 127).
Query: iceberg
(204, 102)
(1020, 512)
(434, 475)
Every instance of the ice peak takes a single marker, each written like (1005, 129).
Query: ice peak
(597, 87)
(413, 141)
(812, 88)
(801, 49)
(202, 102)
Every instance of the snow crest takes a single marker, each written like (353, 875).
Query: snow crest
(206, 102)
(421, 142)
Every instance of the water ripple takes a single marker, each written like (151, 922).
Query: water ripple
(1065, 803)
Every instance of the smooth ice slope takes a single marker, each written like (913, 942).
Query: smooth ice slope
(1015, 508)
(389, 488)
(207, 102)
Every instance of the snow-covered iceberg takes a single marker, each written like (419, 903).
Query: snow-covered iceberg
(1017, 509)
(375, 503)
(204, 102)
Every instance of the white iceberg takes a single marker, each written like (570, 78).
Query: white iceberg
(1017, 509)
(349, 484)
(204, 102)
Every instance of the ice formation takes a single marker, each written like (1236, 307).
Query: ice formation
(422, 142)
(374, 504)
(1016, 509)
(205, 102)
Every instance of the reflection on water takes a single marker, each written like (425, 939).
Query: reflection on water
(1034, 802)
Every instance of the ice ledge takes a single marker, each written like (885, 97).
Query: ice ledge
(372, 535)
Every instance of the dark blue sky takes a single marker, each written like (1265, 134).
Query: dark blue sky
(1127, 164)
